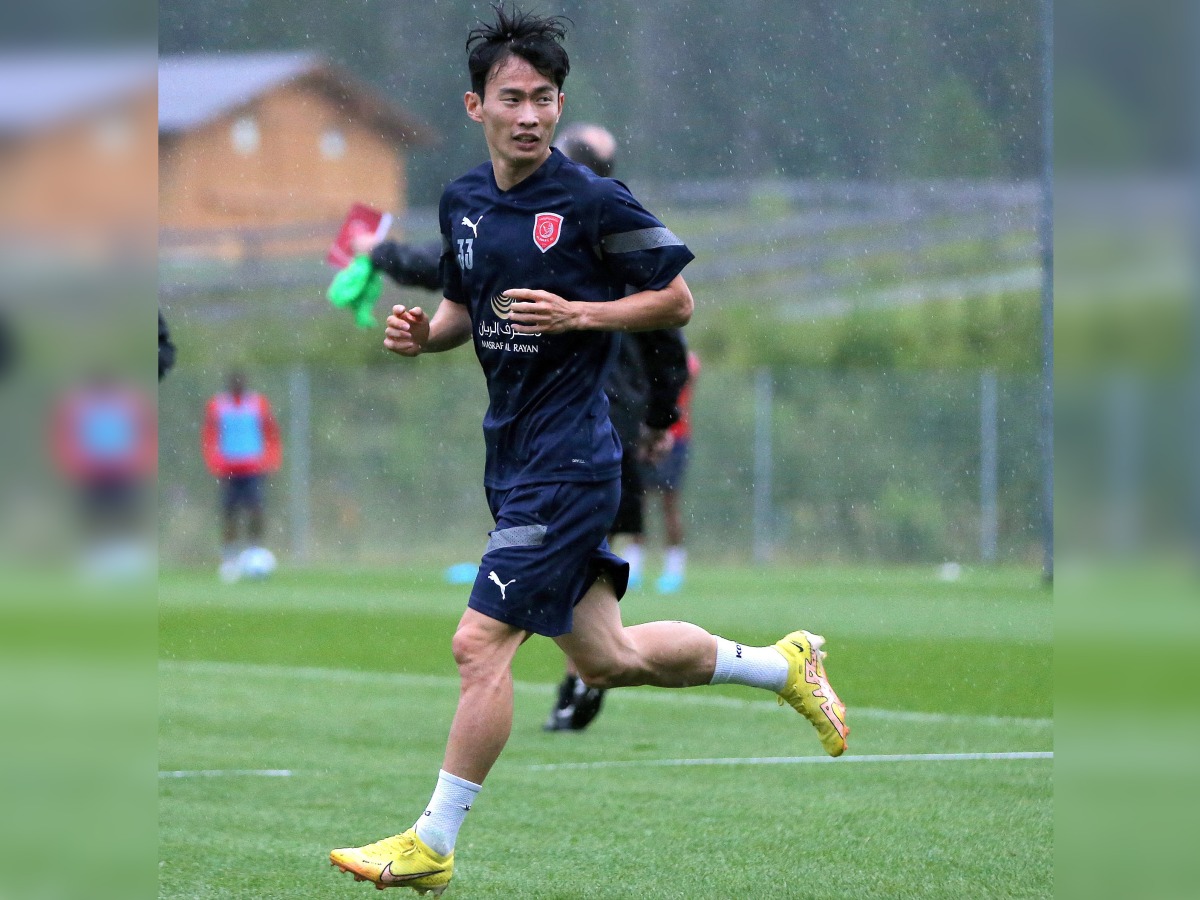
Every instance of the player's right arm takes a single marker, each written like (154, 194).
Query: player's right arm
(410, 332)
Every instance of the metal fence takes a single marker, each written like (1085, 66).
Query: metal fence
(810, 248)
(385, 463)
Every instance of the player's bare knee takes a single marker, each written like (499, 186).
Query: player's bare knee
(472, 651)
(484, 655)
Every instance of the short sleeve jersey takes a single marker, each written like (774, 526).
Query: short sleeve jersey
(564, 230)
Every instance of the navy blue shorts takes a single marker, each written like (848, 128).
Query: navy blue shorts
(241, 491)
(113, 499)
(668, 474)
(548, 548)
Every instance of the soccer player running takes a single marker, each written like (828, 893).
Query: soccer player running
(538, 252)
(642, 390)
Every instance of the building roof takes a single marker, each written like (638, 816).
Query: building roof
(196, 89)
(41, 89)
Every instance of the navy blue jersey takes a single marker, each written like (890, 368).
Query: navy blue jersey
(567, 231)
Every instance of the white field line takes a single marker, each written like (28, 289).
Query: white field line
(793, 760)
(671, 763)
(227, 773)
(686, 698)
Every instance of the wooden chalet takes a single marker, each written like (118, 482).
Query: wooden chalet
(261, 154)
(77, 149)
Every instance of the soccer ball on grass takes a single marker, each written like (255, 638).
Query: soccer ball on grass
(256, 562)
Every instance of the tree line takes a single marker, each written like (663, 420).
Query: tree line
(700, 89)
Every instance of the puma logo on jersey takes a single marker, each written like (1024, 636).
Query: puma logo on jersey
(474, 226)
(492, 576)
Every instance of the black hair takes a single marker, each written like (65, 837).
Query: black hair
(574, 144)
(536, 39)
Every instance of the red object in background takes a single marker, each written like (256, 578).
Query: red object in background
(361, 219)
(682, 430)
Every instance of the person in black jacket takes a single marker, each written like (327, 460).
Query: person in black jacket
(642, 394)
(166, 349)
(8, 345)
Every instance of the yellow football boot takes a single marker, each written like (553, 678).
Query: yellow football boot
(403, 860)
(809, 692)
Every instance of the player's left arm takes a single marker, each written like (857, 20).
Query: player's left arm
(541, 312)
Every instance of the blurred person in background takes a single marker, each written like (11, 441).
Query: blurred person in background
(543, 263)
(8, 345)
(241, 445)
(651, 365)
(104, 438)
(166, 348)
(651, 369)
(665, 477)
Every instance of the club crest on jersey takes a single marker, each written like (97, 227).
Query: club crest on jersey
(547, 227)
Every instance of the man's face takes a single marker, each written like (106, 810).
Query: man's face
(519, 110)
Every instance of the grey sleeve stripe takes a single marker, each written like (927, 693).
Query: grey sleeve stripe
(642, 239)
(519, 536)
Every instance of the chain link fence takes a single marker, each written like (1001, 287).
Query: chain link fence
(385, 463)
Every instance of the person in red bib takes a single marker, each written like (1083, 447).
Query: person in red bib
(241, 444)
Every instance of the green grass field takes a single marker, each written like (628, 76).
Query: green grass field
(341, 687)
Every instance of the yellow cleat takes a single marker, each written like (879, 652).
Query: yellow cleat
(403, 860)
(809, 692)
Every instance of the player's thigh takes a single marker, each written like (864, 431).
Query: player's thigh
(597, 642)
(546, 551)
(241, 492)
(254, 493)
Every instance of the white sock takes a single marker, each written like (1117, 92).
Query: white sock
(676, 561)
(760, 667)
(448, 807)
(633, 555)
